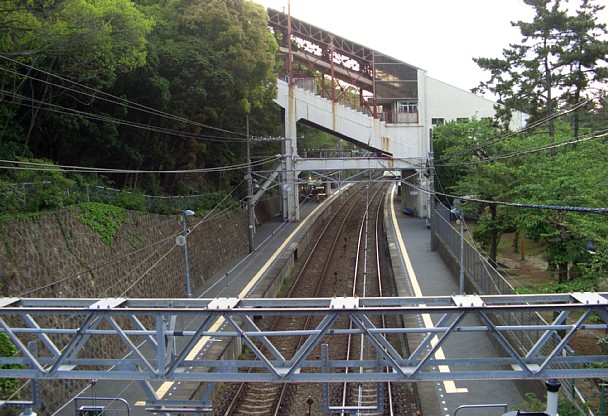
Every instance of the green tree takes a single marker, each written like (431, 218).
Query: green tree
(568, 179)
(561, 57)
(463, 150)
(199, 67)
(208, 62)
(525, 78)
(238, 31)
(585, 50)
(55, 56)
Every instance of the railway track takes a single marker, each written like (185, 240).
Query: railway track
(367, 282)
(344, 261)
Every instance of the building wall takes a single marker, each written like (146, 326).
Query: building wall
(451, 103)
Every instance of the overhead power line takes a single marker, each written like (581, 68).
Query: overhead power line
(48, 167)
(55, 108)
(210, 216)
(101, 95)
(529, 127)
(596, 135)
(603, 211)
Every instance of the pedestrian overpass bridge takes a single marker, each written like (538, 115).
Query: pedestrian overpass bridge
(392, 146)
(366, 97)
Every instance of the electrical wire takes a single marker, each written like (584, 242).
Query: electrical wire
(147, 271)
(206, 218)
(162, 241)
(90, 269)
(526, 129)
(49, 167)
(98, 94)
(593, 136)
(107, 291)
(587, 210)
(55, 108)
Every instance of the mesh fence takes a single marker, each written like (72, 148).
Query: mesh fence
(487, 280)
(48, 195)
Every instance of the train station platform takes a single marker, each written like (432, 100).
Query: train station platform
(270, 241)
(418, 271)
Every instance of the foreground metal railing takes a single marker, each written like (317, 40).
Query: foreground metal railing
(65, 328)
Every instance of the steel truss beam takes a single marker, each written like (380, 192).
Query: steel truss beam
(65, 348)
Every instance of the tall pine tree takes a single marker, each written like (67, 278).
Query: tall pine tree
(559, 58)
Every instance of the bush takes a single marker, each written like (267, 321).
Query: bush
(104, 219)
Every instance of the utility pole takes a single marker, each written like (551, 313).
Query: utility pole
(431, 214)
(459, 213)
(461, 273)
(249, 179)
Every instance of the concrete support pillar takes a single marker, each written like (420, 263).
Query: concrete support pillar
(291, 202)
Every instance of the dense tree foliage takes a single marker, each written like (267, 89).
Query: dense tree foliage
(560, 63)
(477, 160)
(151, 85)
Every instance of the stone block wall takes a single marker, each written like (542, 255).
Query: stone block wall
(59, 256)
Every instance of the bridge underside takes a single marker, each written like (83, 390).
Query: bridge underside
(353, 163)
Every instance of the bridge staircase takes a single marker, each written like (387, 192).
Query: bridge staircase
(395, 146)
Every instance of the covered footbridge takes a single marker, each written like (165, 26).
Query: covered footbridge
(355, 93)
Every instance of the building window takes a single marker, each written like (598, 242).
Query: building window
(407, 112)
(407, 107)
(437, 121)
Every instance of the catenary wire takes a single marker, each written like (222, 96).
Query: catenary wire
(90, 269)
(588, 210)
(55, 108)
(529, 127)
(48, 167)
(75, 275)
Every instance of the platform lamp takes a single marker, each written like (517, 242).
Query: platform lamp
(181, 241)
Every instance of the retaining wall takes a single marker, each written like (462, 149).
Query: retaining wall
(59, 256)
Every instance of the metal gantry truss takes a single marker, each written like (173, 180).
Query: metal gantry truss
(141, 326)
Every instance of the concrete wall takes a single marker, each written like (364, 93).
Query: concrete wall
(59, 256)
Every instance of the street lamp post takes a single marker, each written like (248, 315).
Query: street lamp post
(460, 220)
(184, 242)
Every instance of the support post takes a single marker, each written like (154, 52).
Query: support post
(432, 215)
(184, 241)
(553, 386)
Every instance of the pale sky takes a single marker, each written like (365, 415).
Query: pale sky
(439, 36)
